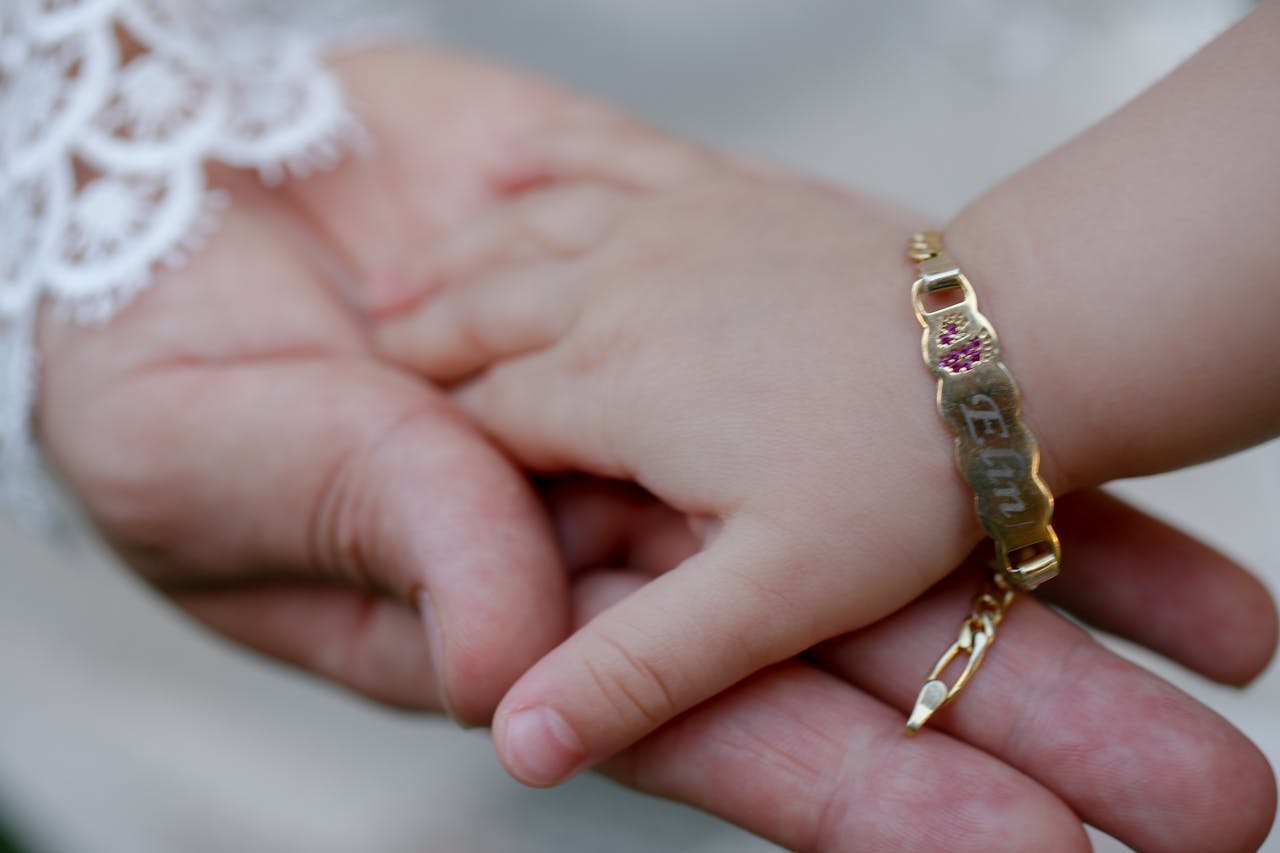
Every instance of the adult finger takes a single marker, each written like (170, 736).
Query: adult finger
(706, 759)
(800, 757)
(784, 753)
(366, 642)
(1130, 574)
(337, 470)
(1137, 577)
(1127, 751)
(690, 634)
(806, 760)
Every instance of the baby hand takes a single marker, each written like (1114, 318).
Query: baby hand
(743, 346)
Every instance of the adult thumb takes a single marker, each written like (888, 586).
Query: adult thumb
(334, 472)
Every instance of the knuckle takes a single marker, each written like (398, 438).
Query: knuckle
(606, 343)
(592, 351)
(343, 524)
(475, 322)
(335, 539)
(631, 682)
(556, 224)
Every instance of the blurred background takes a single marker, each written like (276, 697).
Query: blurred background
(124, 728)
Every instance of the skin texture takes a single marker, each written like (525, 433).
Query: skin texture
(239, 442)
(1147, 247)
(652, 312)
(1119, 748)
(667, 353)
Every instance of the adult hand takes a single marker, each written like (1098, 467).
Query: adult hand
(237, 442)
(1056, 729)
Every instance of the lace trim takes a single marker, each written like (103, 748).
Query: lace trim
(109, 111)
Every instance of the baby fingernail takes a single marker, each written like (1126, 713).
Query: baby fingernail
(435, 644)
(541, 748)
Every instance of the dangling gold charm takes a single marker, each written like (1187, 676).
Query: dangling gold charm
(976, 636)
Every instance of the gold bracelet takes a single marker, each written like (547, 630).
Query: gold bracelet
(995, 452)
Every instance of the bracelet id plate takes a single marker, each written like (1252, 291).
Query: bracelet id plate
(978, 398)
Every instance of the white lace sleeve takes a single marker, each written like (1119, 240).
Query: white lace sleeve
(109, 111)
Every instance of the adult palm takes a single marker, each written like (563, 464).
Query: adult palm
(237, 441)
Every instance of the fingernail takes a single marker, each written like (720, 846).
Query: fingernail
(541, 748)
(435, 645)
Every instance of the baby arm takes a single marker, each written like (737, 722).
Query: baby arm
(743, 347)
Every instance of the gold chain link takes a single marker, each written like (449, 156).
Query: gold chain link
(977, 633)
(995, 452)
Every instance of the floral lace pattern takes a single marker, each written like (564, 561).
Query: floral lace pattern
(109, 111)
